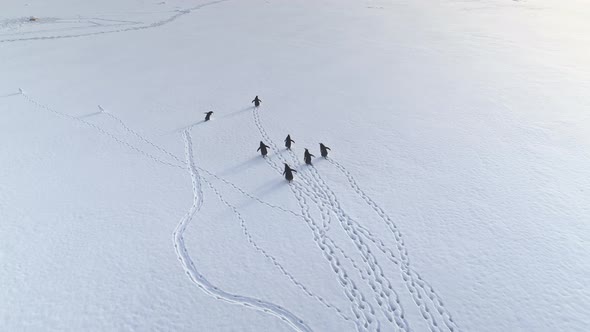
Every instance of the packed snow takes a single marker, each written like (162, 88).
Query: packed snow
(455, 195)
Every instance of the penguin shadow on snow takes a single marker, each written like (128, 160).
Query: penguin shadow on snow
(177, 130)
(237, 112)
(10, 95)
(270, 189)
(89, 115)
(254, 160)
(318, 160)
(271, 186)
(225, 116)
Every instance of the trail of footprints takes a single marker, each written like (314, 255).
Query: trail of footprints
(160, 23)
(198, 278)
(360, 307)
(420, 290)
(236, 212)
(270, 257)
(316, 191)
(384, 294)
(412, 278)
(180, 248)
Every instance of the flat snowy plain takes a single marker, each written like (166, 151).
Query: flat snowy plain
(456, 196)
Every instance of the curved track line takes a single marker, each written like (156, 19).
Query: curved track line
(272, 258)
(363, 311)
(385, 295)
(415, 280)
(143, 27)
(180, 248)
(97, 128)
(236, 212)
(411, 279)
(180, 161)
(360, 307)
(192, 272)
(88, 21)
(414, 283)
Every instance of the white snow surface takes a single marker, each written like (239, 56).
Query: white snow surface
(456, 196)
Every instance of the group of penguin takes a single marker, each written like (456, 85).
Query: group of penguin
(288, 172)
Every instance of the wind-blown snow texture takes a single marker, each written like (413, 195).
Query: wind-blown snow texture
(455, 196)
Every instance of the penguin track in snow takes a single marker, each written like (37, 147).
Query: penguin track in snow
(182, 162)
(99, 129)
(386, 297)
(331, 200)
(273, 260)
(160, 23)
(246, 232)
(12, 27)
(372, 271)
(180, 248)
(410, 277)
(362, 309)
(189, 266)
(414, 282)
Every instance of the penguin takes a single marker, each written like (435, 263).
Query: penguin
(288, 173)
(307, 157)
(324, 150)
(262, 148)
(208, 115)
(288, 142)
(256, 101)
